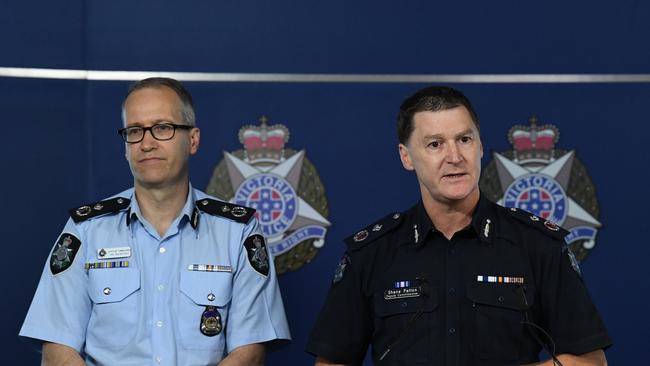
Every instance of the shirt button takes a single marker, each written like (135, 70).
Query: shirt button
(452, 330)
(452, 290)
(161, 287)
(159, 323)
(158, 359)
(500, 298)
(107, 291)
(162, 250)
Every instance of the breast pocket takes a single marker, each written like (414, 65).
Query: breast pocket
(201, 290)
(116, 308)
(412, 320)
(499, 315)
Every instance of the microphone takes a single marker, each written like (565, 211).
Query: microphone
(521, 290)
(423, 284)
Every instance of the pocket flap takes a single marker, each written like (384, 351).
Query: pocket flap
(515, 297)
(207, 288)
(112, 284)
(426, 302)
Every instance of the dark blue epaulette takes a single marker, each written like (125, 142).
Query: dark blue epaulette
(85, 212)
(537, 222)
(372, 232)
(241, 214)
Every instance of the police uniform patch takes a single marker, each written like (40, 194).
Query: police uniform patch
(257, 255)
(63, 253)
(340, 269)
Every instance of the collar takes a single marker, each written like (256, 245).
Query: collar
(483, 222)
(189, 209)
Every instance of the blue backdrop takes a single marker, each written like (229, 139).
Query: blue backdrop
(60, 147)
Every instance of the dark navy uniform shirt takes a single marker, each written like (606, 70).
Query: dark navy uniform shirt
(403, 286)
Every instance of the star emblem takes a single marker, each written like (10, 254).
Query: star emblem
(289, 170)
(558, 170)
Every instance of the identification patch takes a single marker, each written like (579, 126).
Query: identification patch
(63, 253)
(402, 293)
(257, 256)
(114, 253)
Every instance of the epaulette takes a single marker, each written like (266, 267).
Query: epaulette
(237, 213)
(372, 232)
(537, 222)
(85, 212)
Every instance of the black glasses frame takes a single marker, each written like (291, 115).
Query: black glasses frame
(123, 131)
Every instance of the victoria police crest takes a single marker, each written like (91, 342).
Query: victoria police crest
(547, 181)
(284, 188)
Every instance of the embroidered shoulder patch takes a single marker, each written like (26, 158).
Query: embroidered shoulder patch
(241, 214)
(547, 227)
(340, 269)
(573, 260)
(257, 255)
(63, 253)
(372, 232)
(88, 211)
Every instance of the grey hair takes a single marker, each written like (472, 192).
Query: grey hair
(187, 106)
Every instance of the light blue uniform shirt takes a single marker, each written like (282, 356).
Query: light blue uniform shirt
(149, 313)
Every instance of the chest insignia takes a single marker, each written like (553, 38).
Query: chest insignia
(402, 290)
(499, 279)
(210, 321)
(102, 265)
(209, 268)
(114, 253)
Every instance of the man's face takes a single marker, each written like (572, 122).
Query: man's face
(445, 151)
(158, 164)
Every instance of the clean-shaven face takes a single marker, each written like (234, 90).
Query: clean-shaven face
(445, 151)
(154, 163)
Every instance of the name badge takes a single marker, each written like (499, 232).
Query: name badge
(113, 253)
(401, 293)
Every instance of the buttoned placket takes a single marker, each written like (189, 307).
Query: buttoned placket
(452, 301)
(159, 271)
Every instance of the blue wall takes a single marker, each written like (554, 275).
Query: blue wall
(60, 148)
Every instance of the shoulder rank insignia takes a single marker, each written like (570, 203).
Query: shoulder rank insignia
(63, 253)
(537, 222)
(86, 212)
(237, 213)
(374, 231)
(257, 256)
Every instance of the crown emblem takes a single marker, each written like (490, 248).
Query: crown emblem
(533, 143)
(263, 143)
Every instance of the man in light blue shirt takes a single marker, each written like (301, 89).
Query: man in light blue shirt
(160, 274)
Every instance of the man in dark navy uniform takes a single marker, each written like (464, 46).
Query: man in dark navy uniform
(456, 279)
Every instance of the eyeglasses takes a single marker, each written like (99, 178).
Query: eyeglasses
(160, 131)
